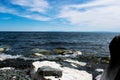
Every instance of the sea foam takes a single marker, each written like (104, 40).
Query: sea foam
(7, 56)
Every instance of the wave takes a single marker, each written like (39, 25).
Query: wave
(7, 56)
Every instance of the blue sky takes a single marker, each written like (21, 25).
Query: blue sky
(60, 15)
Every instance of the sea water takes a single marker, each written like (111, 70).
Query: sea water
(21, 43)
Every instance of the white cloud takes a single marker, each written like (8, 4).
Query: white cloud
(29, 9)
(38, 17)
(101, 14)
(32, 5)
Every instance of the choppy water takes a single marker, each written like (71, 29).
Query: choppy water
(88, 42)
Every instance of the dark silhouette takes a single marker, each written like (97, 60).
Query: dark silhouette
(112, 72)
(115, 52)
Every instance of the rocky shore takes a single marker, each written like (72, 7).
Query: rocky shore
(90, 64)
(70, 59)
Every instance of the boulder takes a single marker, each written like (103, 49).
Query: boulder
(75, 74)
(46, 70)
(49, 71)
(37, 65)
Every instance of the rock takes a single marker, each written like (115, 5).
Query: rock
(59, 51)
(51, 78)
(49, 71)
(68, 73)
(36, 65)
(37, 54)
(64, 52)
(41, 51)
(98, 77)
(14, 78)
(76, 62)
(99, 70)
(78, 52)
(7, 68)
(14, 74)
(74, 74)
(68, 52)
(2, 50)
(75, 52)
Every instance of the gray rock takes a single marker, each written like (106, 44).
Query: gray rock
(49, 71)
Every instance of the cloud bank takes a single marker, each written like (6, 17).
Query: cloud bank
(99, 13)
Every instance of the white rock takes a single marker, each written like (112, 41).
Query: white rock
(38, 54)
(76, 62)
(2, 49)
(78, 52)
(74, 74)
(51, 78)
(98, 77)
(7, 68)
(38, 64)
(68, 73)
(99, 70)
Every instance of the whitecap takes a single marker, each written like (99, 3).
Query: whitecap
(7, 56)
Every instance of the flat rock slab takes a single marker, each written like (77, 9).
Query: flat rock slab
(49, 71)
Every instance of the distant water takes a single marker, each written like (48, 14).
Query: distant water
(87, 42)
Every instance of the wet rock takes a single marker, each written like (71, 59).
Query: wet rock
(59, 51)
(65, 52)
(41, 51)
(37, 54)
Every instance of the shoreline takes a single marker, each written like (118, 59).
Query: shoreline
(92, 62)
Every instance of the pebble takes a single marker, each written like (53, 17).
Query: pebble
(2, 49)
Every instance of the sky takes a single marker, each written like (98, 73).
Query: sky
(60, 15)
